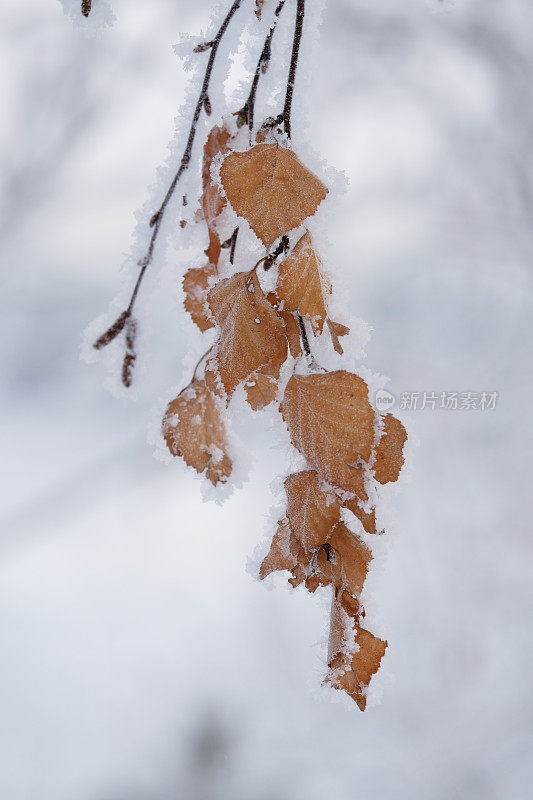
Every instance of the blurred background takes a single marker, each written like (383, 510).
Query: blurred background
(140, 659)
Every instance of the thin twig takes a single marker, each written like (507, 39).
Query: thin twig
(156, 219)
(298, 28)
(246, 114)
(233, 245)
(303, 335)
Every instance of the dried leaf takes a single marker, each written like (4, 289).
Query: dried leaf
(367, 518)
(300, 284)
(212, 199)
(312, 512)
(193, 429)
(271, 189)
(337, 329)
(86, 7)
(331, 422)
(352, 663)
(285, 551)
(292, 332)
(195, 283)
(258, 8)
(261, 390)
(389, 452)
(352, 557)
(252, 336)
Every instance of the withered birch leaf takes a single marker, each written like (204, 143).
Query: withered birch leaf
(213, 200)
(300, 284)
(193, 429)
(292, 331)
(351, 670)
(271, 189)
(366, 518)
(337, 329)
(195, 283)
(331, 422)
(261, 390)
(252, 336)
(352, 559)
(389, 451)
(258, 8)
(312, 512)
(285, 551)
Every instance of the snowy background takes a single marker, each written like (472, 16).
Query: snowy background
(140, 660)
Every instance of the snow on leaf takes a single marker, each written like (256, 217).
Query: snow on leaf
(252, 336)
(271, 189)
(193, 429)
(259, 8)
(367, 518)
(300, 284)
(331, 422)
(312, 512)
(195, 283)
(337, 329)
(389, 451)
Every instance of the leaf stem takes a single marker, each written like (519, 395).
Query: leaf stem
(246, 114)
(303, 335)
(298, 28)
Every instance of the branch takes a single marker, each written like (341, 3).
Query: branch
(155, 221)
(298, 27)
(246, 114)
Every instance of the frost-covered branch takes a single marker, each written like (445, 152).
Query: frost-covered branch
(246, 114)
(157, 218)
(298, 29)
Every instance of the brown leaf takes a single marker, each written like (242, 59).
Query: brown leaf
(86, 7)
(193, 429)
(252, 336)
(331, 422)
(285, 551)
(213, 200)
(258, 8)
(352, 558)
(337, 329)
(352, 670)
(271, 189)
(292, 331)
(389, 452)
(367, 518)
(312, 512)
(261, 390)
(195, 283)
(300, 284)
